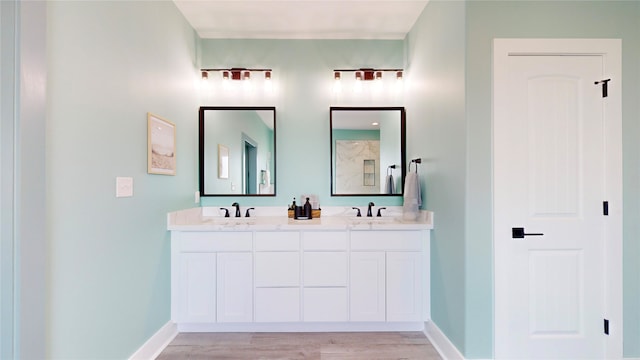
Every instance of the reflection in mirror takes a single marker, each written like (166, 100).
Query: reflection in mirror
(237, 151)
(367, 151)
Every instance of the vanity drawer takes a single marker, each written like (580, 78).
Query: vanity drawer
(325, 269)
(387, 240)
(197, 241)
(277, 269)
(324, 240)
(277, 241)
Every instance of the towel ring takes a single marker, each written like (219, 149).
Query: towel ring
(415, 161)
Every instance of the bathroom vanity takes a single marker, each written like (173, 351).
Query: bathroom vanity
(272, 273)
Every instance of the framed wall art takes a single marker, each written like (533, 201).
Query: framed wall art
(161, 141)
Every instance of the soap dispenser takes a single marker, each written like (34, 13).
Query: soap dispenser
(307, 209)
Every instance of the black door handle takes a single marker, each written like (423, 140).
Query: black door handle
(518, 233)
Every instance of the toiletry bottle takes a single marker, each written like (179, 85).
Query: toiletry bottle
(307, 209)
(295, 211)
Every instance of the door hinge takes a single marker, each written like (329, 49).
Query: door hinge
(605, 208)
(605, 93)
(606, 327)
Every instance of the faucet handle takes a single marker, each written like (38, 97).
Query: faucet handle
(380, 214)
(246, 214)
(358, 214)
(226, 212)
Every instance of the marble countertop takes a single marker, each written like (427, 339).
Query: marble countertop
(275, 218)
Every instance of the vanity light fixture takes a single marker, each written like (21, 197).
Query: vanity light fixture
(236, 73)
(367, 73)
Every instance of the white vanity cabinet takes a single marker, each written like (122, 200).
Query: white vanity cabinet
(387, 276)
(212, 277)
(299, 276)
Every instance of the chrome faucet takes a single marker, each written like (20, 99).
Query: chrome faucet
(237, 208)
(369, 209)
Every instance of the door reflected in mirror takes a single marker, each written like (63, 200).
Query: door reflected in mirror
(237, 151)
(367, 151)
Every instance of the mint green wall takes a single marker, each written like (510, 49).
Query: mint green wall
(303, 81)
(451, 90)
(22, 181)
(545, 19)
(110, 63)
(7, 185)
(355, 135)
(436, 132)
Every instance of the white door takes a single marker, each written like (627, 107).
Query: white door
(551, 177)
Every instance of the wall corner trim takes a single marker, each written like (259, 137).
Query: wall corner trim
(156, 343)
(441, 343)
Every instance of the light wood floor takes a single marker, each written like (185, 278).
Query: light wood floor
(293, 346)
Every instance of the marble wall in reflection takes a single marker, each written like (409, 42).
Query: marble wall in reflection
(357, 167)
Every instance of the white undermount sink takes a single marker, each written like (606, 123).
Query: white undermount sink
(230, 221)
(373, 220)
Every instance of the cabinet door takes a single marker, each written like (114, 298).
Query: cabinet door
(367, 286)
(197, 288)
(404, 286)
(235, 287)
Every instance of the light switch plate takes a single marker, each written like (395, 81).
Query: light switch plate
(124, 186)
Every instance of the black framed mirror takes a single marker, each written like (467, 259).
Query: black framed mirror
(367, 151)
(237, 151)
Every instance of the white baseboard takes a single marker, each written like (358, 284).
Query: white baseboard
(439, 340)
(301, 327)
(156, 343)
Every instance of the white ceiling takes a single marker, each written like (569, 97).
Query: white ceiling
(301, 19)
